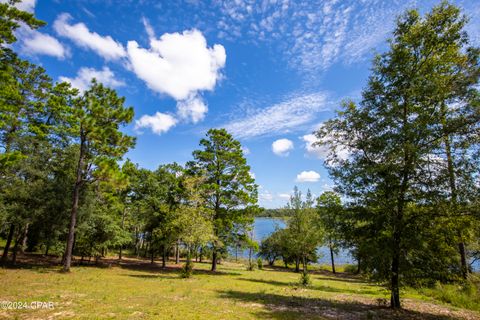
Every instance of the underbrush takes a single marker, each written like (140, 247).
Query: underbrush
(463, 295)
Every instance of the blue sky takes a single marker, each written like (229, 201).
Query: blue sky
(268, 71)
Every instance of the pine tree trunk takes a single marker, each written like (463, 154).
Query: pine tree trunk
(73, 215)
(177, 253)
(395, 286)
(164, 257)
(24, 239)
(7, 245)
(214, 259)
(331, 257)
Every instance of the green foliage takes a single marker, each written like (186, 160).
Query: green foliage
(305, 279)
(396, 177)
(260, 263)
(228, 188)
(463, 295)
(187, 269)
(10, 19)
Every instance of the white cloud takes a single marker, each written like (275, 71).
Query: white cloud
(159, 123)
(252, 175)
(308, 176)
(24, 5)
(85, 75)
(284, 196)
(266, 196)
(79, 33)
(320, 152)
(282, 147)
(287, 116)
(245, 150)
(192, 109)
(35, 42)
(178, 65)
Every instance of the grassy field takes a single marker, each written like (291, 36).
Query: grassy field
(135, 289)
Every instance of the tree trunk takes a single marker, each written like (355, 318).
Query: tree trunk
(7, 245)
(177, 253)
(358, 265)
(463, 257)
(24, 239)
(304, 263)
(395, 286)
(214, 259)
(331, 257)
(152, 256)
(73, 215)
(453, 193)
(201, 254)
(297, 264)
(123, 225)
(164, 257)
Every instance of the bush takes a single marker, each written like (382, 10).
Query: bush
(260, 263)
(305, 279)
(187, 270)
(350, 268)
(463, 295)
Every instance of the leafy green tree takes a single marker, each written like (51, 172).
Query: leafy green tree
(229, 189)
(393, 133)
(271, 247)
(193, 220)
(95, 122)
(329, 208)
(304, 236)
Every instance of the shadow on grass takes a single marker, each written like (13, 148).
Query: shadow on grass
(294, 307)
(158, 269)
(313, 287)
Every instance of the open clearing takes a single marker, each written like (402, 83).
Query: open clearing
(135, 289)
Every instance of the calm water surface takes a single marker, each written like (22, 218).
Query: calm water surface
(263, 227)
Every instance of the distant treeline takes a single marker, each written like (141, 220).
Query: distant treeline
(274, 213)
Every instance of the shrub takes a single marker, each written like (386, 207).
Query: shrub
(463, 295)
(350, 268)
(260, 263)
(187, 269)
(305, 279)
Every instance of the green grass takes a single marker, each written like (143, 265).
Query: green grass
(466, 295)
(136, 290)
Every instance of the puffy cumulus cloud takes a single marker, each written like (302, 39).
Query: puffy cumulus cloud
(85, 75)
(282, 147)
(159, 123)
(34, 42)
(178, 64)
(320, 152)
(308, 176)
(192, 109)
(79, 33)
(292, 114)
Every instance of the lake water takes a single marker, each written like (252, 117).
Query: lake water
(263, 227)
